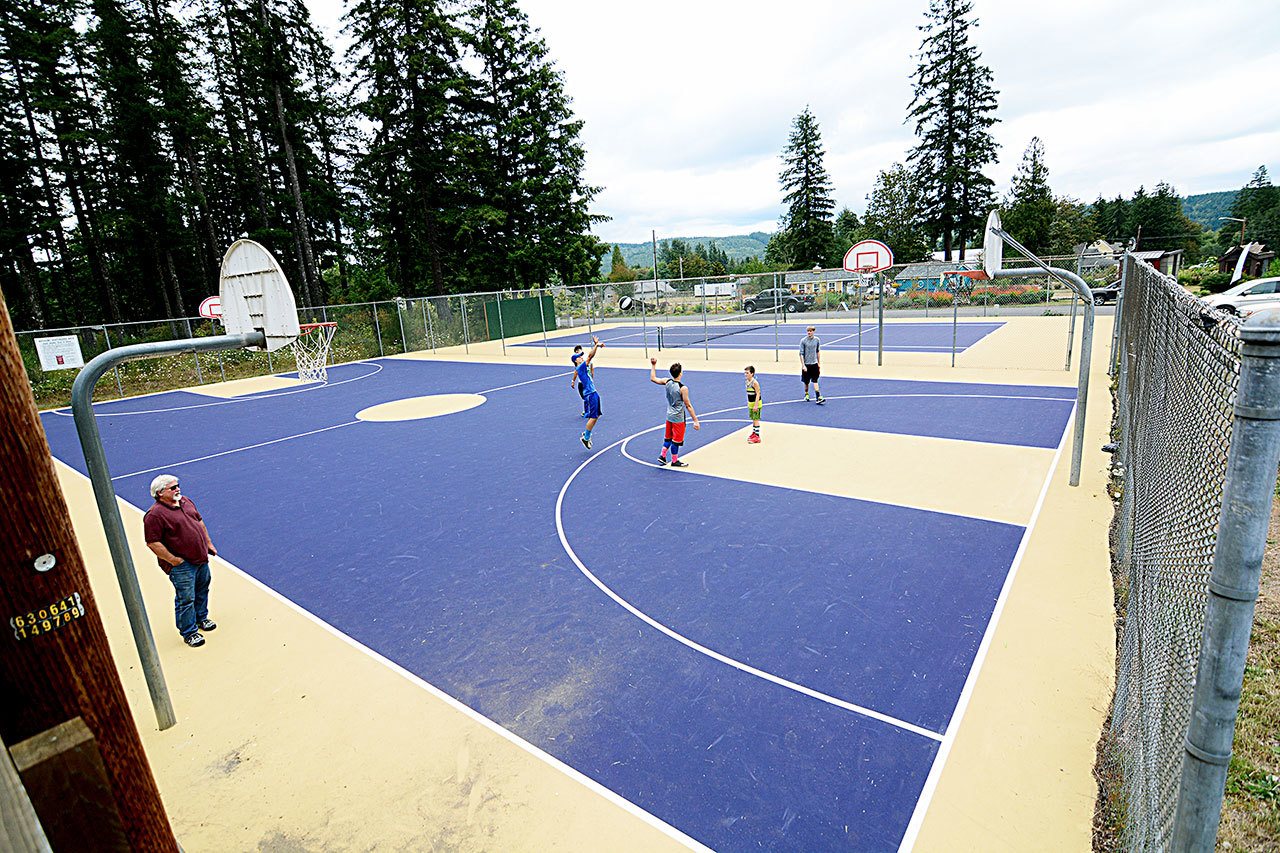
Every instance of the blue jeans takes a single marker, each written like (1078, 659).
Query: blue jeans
(191, 596)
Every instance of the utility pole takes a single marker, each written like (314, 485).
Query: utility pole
(63, 714)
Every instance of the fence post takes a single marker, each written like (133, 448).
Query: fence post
(502, 334)
(377, 328)
(706, 332)
(880, 321)
(196, 356)
(106, 337)
(466, 335)
(400, 308)
(542, 319)
(955, 324)
(426, 322)
(1233, 586)
(1113, 365)
(859, 325)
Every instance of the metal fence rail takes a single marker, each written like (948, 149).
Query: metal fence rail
(1178, 374)
(374, 329)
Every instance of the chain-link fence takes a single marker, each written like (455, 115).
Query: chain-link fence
(694, 312)
(1178, 369)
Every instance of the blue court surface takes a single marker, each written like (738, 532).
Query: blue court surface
(925, 336)
(759, 667)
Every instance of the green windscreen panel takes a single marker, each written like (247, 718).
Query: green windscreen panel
(520, 316)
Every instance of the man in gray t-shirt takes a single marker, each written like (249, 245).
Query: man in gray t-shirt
(810, 367)
(677, 404)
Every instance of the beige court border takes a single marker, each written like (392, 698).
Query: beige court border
(292, 737)
(1018, 773)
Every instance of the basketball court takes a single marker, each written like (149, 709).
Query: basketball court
(788, 629)
(444, 622)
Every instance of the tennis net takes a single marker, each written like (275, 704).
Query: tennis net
(694, 334)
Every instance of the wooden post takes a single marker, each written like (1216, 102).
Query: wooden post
(63, 774)
(55, 664)
(20, 829)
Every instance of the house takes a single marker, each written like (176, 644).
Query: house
(820, 281)
(651, 289)
(1098, 255)
(972, 257)
(1255, 265)
(926, 275)
(715, 288)
(1166, 261)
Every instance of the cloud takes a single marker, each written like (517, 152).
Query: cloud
(687, 106)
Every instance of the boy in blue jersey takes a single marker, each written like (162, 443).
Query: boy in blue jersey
(573, 380)
(587, 387)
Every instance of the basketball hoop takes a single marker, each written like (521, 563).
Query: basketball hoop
(311, 350)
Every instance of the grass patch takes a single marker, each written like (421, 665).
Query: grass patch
(1251, 807)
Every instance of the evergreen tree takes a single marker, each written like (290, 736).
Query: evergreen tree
(529, 206)
(1258, 202)
(895, 215)
(848, 230)
(805, 234)
(1070, 227)
(1029, 209)
(953, 106)
(144, 239)
(619, 271)
(406, 58)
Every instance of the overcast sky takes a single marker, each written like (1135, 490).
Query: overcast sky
(688, 105)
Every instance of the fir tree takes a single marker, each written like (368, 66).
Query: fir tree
(406, 58)
(527, 213)
(895, 215)
(619, 271)
(1029, 208)
(953, 108)
(805, 234)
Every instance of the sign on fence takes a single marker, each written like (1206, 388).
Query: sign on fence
(60, 353)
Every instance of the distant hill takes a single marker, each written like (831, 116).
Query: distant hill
(1207, 207)
(738, 248)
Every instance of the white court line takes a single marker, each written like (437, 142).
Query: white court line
(234, 450)
(698, 647)
(66, 413)
(529, 382)
(467, 711)
(966, 693)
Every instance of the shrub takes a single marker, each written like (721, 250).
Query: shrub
(1216, 282)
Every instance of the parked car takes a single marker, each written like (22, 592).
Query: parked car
(778, 297)
(1240, 298)
(1107, 293)
(1254, 307)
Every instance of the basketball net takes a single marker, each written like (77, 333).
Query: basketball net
(311, 351)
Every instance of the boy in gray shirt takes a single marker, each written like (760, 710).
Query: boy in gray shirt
(677, 405)
(810, 368)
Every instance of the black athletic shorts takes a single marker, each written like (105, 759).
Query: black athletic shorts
(810, 373)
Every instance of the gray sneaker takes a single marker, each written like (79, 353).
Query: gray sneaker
(208, 625)
(195, 640)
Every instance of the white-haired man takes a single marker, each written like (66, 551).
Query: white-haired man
(176, 534)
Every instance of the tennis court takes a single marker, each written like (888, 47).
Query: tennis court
(914, 336)
(767, 649)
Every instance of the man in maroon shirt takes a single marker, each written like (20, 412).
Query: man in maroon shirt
(176, 534)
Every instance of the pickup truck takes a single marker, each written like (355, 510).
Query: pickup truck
(778, 297)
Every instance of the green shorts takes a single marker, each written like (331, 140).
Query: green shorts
(753, 410)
